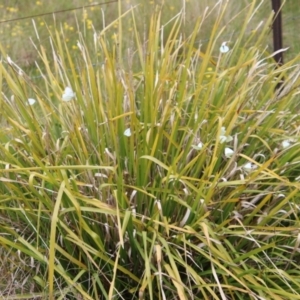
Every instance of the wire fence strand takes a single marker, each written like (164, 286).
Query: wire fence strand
(57, 11)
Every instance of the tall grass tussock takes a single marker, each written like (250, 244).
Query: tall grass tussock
(151, 167)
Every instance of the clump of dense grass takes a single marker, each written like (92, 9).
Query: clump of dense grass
(169, 173)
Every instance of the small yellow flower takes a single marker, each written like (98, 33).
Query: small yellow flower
(114, 37)
(85, 15)
(89, 23)
(209, 70)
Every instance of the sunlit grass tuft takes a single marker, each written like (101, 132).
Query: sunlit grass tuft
(159, 172)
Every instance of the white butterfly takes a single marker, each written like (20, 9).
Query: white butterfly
(127, 132)
(223, 138)
(248, 167)
(285, 144)
(224, 48)
(198, 147)
(228, 152)
(30, 101)
(68, 94)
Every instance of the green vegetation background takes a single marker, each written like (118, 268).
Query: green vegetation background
(15, 35)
